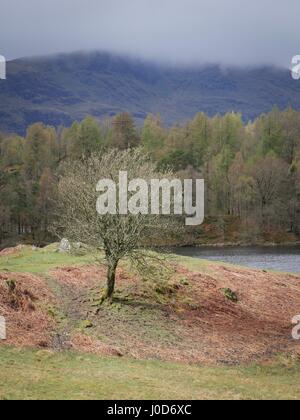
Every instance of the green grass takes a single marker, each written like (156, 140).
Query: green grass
(196, 264)
(29, 374)
(41, 261)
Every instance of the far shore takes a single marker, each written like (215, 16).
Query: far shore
(243, 245)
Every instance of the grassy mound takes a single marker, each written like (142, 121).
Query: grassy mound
(199, 312)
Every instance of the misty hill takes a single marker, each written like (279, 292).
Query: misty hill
(57, 90)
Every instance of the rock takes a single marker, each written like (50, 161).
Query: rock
(64, 246)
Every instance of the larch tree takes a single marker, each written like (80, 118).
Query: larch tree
(123, 133)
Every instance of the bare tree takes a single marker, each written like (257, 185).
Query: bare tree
(268, 179)
(118, 235)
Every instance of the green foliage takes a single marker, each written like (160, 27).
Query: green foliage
(177, 160)
(153, 136)
(252, 171)
(230, 295)
(83, 139)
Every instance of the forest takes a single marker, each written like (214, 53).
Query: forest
(251, 171)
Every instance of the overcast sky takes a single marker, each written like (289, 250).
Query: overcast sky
(230, 32)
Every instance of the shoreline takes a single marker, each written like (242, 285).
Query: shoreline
(207, 246)
(243, 245)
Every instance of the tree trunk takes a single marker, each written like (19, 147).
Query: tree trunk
(111, 280)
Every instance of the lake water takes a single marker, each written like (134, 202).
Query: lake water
(278, 258)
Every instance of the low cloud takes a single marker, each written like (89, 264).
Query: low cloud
(230, 32)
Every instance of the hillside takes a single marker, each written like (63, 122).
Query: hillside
(181, 339)
(57, 90)
(204, 313)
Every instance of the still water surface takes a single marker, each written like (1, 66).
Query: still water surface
(278, 258)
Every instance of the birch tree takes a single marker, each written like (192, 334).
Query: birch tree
(118, 235)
